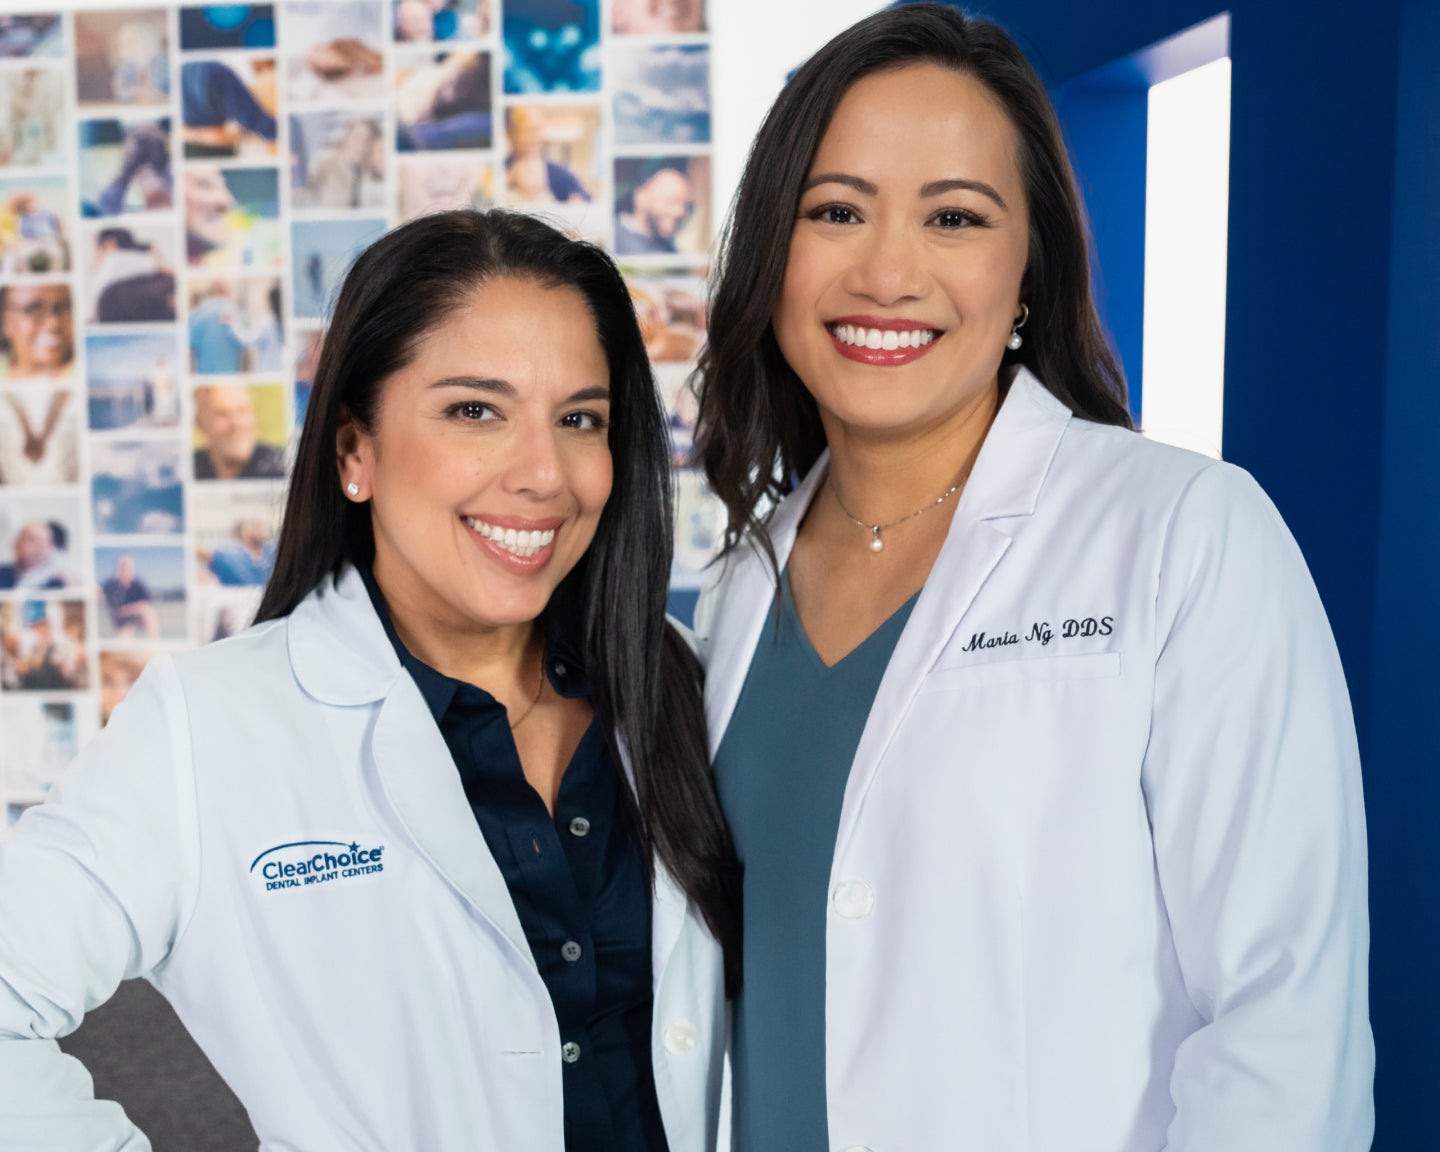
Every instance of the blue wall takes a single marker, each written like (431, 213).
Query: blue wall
(1332, 397)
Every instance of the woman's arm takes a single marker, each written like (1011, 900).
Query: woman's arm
(1252, 783)
(95, 887)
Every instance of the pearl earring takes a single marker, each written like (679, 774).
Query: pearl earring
(352, 488)
(1015, 340)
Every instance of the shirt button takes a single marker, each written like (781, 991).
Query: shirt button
(853, 899)
(571, 951)
(559, 668)
(681, 1038)
(579, 826)
(570, 1052)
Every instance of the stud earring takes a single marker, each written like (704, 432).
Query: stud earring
(1015, 340)
(352, 488)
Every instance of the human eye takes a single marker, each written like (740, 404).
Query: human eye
(585, 421)
(471, 412)
(955, 218)
(833, 214)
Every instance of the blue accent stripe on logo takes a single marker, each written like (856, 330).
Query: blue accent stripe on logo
(296, 844)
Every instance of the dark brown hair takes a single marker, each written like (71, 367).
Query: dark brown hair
(758, 428)
(647, 681)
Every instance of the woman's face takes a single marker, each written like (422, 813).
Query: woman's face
(37, 326)
(907, 254)
(489, 465)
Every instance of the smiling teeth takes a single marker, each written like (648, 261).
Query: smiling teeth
(520, 543)
(884, 338)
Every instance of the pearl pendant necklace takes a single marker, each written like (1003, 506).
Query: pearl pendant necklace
(876, 543)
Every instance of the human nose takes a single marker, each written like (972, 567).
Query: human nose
(536, 468)
(889, 266)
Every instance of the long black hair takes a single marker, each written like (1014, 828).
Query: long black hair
(647, 682)
(758, 427)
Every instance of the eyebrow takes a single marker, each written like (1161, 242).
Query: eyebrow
(497, 387)
(934, 188)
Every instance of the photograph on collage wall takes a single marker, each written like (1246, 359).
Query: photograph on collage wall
(699, 529)
(122, 57)
(118, 672)
(657, 17)
(307, 360)
(337, 160)
(681, 408)
(335, 50)
(39, 437)
(551, 46)
(131, 273)
(236, 326)
(235, 527)
(551, 154)
(33, 130)
(37, 331)
(31, 38)
(222, 612)
(441, 181)
(141, 592)
(41, 738)
(322, 251)
(232, 217)
(132, 380)
(212, 27)
(662, 94)
(34, 227)
(429, 21)
(227, 107)
(125, 167)
(662, 206)
(40, 542)
(240, 431)
(136, 488)
(442, 102)
(670, 305)
(42, 646)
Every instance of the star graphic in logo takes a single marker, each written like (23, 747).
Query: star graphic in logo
(354, 847)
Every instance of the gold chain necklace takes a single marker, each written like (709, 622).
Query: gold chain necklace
(539, 688)
(877, 544)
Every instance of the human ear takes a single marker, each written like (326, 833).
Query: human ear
(352, 459)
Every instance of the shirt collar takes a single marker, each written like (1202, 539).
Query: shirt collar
(563, 666)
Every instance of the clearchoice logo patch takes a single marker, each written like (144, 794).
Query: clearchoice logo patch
(309, 862)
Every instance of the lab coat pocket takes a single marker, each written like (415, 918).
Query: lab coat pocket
(1024, 670)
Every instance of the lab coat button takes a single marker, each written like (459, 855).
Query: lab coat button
(571, 951)
(579, 826)
(681, 1038)
(570, 1052)
(854, 899)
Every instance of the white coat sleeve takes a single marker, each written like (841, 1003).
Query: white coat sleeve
(94, 888)
(1252, 782)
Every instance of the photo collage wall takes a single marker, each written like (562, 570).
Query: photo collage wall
(181, 191)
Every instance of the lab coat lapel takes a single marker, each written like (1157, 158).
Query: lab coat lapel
(668, 901)
(733, 627)
(423, 786)
(1005, 484)
(341, 656)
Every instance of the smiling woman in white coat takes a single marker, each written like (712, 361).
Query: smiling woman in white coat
(1031, 733)
(429, 858)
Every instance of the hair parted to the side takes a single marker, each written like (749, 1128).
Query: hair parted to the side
(647, 682)
(758, 427)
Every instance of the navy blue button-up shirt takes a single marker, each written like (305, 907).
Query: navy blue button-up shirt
(582, 891)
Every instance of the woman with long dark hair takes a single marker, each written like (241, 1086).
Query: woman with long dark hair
(430, 857)
(1031, 733)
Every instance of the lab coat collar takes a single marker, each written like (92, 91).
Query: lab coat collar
(1005, 483)
(338, 647)
(342, 656)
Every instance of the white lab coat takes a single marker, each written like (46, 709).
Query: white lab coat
(395, 1007)
(1104, 893)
